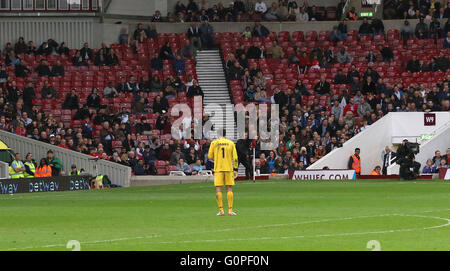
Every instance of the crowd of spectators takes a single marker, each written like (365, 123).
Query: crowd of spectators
(408, 9)
(250, 10)
(310, 131)
(437, 162)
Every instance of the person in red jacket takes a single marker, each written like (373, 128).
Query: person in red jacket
(351, 106)
(304, 63)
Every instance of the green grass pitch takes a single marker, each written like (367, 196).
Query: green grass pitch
(272, 215)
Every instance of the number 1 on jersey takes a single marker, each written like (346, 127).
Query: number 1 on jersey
(223, 152)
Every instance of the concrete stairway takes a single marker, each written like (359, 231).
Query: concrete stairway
(211, 78)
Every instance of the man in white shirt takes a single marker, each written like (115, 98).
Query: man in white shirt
(260, 7)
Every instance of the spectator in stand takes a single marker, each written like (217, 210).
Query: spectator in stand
(304, 63)
(259, 30)
(342, 28)
(166, 52)
(156, 16)
(276, 51)
(314, 15)
(20, 47)
(42, 69)
(429, 168)
(93, 100)
(335, 35)
(195, 90)
(371, 57)
(48, 91)
(139, 34)
(343, 56)
(44, 49)
(124, 38)
(435, 29)
(322, 87)
(3, 75)
(447, 41)
(193, 34)
(387, 54)
(110, 91)
(179, 65)
(57, 69)
(406, 32)
(28, 96)
(271, 13)
(12, 59)
(421, 30)
(78, 60)
(182, 166)
(155, 84)
(71, 101)
(377, 26)
(207, 35)
(365, 29)
(111, 58)
(63, 50)
(132, 85)
(260, 7)
(86, 52)
(31, 48)
(188, 51)
(340, 78)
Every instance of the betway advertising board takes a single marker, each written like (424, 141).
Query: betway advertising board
(334, 174)
(50, 184)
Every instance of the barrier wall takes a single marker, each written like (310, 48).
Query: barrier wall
(77, 30)
(373, 140)
(118, 174)
(51, 184)
(74, 31)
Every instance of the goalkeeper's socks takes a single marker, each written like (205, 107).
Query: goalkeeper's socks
(230, 201)
(219, 201)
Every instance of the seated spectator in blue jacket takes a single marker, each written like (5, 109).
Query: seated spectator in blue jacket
(250, 93)
(179, 65)
(139, 168)
(149, 155)
(198, 166)
(429, 167)
(182, 166)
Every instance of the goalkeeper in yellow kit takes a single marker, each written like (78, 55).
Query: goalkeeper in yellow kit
(223, 152)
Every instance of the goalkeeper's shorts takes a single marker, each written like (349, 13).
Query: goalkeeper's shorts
(223, 178)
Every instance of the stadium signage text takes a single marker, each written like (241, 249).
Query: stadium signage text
(53, 184)
(322, 175)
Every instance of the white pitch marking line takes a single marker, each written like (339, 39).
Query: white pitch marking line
(262, 226)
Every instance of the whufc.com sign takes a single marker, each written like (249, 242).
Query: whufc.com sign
(53, 184)
(334, 174)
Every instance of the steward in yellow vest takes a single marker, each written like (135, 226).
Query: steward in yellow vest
(18, 168)
(30, 167)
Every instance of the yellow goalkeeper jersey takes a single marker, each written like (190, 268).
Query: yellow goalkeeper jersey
(223, 152)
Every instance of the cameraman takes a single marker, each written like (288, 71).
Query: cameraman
(406, 160)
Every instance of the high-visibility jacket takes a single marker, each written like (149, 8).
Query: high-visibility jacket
(353, 16)
(13, 173)
(32, 169)
(74, 173)
(99, 180)
(44, 171)
(356, 165)
(374, 173)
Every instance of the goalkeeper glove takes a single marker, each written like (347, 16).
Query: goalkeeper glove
(235, 173)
